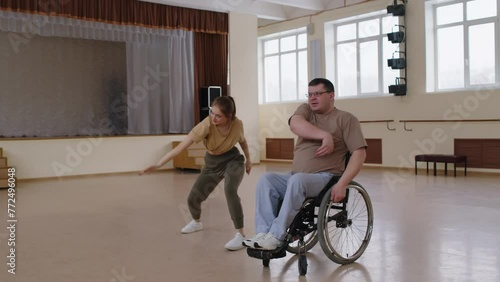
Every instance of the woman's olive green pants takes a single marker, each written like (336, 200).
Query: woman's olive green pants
(229, 166)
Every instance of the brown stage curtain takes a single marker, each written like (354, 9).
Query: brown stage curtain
(210, 64)
(126, 12)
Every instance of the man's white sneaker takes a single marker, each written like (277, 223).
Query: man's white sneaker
(191, 227)
(268, 242)
(236, 243)
(251, 242)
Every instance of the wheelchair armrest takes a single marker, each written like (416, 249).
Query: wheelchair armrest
(327, 187)
(333, 181)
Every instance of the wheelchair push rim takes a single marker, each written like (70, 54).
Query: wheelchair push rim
(345, 229)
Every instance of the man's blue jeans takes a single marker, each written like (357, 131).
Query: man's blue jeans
(293, 189)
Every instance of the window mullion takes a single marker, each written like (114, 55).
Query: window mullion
(466, 27)
(335, 54)
(436, 54)
(297, 67)
(497, 59)
(380, 59)
(358, 66)
(466, 60)
(358, 60)
(296, 75)
(280, 78)
(279, 72)
(264, 81)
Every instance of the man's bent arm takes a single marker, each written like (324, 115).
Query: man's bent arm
(303, 128)
(354, 166)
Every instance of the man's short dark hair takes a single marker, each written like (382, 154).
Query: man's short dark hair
(326, 83)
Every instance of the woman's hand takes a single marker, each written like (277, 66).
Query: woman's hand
(168, 156)
(248, 166)
(149, 169)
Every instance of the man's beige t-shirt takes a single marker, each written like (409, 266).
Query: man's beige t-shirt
(213, 140)
(347, 136)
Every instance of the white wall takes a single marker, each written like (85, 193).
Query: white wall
(65, 157)
(243, 76)
(400, 146)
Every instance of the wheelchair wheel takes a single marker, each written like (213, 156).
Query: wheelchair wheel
(345, 229)
(302, 264)
(310, 240)
(301, 244)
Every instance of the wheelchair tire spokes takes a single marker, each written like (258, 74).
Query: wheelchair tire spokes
(345, 234)
(339, 216)
(340, 219)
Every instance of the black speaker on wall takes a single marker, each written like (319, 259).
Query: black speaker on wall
(396, 64)
(396, 37)
(207, 96)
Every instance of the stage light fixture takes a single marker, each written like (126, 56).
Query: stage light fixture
(396, 9)
(396, 37)
(396, 64)
(398, 89)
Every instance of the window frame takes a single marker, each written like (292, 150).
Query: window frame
(432, 55)
(278, 36)
(381, 60)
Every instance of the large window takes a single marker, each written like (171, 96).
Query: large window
(359, 49)
(462, 47)
(284, 75)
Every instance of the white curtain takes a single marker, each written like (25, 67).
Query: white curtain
(160, 73)
(160, 85)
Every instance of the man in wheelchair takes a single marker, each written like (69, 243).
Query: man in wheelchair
(325, 135)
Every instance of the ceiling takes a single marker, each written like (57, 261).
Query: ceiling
(267, 11)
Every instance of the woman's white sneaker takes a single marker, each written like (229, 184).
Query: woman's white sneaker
(191, 227)
(236, 243)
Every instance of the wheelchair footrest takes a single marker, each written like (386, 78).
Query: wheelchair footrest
(266, 254)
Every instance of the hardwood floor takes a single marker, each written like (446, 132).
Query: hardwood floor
(127, 228)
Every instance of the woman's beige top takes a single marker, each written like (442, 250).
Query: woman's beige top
(215, 142)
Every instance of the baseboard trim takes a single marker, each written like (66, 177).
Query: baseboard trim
(421, 171)
(88, 175)
(275, 161)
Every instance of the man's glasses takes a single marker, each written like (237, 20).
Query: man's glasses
(316, 94)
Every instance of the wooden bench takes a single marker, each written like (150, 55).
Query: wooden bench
(439, 158)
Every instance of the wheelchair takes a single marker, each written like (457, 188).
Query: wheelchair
(343, 229)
